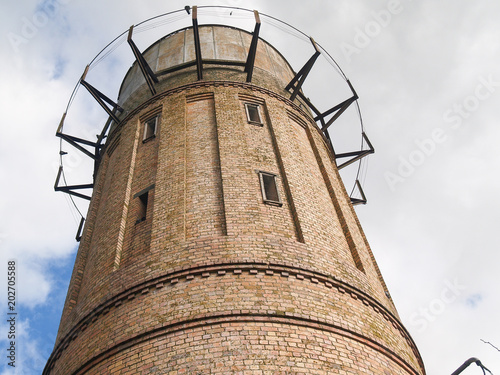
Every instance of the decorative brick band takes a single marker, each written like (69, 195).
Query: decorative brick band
(253, 268)
(205, 84)
(204, 321)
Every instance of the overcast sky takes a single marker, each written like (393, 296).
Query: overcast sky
(428, 77)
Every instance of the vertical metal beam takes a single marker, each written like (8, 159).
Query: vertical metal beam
(61, 123)
(100, 97)
(197, 46)
(252, 52)
(329, 141)
(301, 76)
(100, 139)
(147, 72)
(101, 136)
(79, 231)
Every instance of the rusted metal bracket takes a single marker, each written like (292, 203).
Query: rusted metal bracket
(253, 48)
(337, 110)
(355, 155)
(297, 81)
(356, 201)
(76, 142)
(146, 70)
(69, 189)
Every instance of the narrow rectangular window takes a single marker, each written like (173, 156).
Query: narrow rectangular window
(269, 188)
(142, 209)
(253, 113)
(150, 128)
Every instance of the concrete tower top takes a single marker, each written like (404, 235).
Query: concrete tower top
(220, 45)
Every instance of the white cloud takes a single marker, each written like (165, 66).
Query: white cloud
(28, 358)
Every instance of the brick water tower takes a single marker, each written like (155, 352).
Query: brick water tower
(220, 238)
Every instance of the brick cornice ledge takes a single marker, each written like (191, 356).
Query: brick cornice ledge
(253, 268)
(207, 320)
(206, 84)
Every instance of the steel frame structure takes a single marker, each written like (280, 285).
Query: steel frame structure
(323, 119)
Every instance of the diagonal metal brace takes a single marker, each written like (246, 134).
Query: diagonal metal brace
(301, 76)
(252, 52)
(146, 70)
(338, 110)
(363, 200)
(69, 189)
(355, 155)
(75, 141)
(101, 98)
(311, 106)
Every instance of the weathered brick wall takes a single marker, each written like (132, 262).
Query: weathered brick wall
(203, 198)
(208, 296)
(214, 280)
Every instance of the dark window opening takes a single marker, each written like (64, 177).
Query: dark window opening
(269, 188)
(142, 203)
(150, 128)
(253, 114)
(143, 207)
